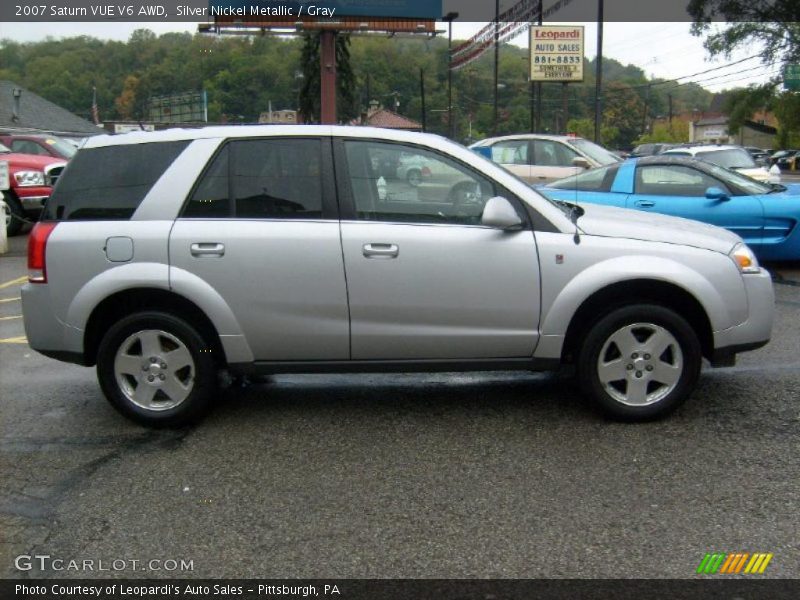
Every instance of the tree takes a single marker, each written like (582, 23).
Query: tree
(345, 79)
(678, 132)
(772, 24)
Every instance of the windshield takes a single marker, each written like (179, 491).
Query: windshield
(751, 186)
(597, 153)
(63, 147)
(732, 158)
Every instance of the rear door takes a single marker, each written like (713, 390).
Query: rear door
(425, 279)
(261, 228)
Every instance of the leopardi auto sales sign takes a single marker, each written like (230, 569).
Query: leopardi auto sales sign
(557, 53)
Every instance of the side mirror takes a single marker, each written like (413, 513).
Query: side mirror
(581, 163)
(500, 214)
(714, 193)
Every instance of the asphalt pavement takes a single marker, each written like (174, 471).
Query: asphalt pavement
(445, 475)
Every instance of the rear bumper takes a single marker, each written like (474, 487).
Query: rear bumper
(45, 332)
(756, 331)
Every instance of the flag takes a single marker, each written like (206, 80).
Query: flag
(95, 112)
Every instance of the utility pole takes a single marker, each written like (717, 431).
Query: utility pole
(422, 96)
(496, 60)
(644, 113)
(564, 105)
(598, 83)
(327, 65)
(539, 84)
(669, 98)
(450, 17)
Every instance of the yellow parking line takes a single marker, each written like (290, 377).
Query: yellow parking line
(17, 281)
(11, 317)
(9, 299)
(15, 340)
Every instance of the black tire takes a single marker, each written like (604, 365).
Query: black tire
(201, 380)
(615, 396)
(15, 223)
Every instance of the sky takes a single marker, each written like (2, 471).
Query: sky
(665, 50)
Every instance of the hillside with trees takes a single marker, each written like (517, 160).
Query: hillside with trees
(242, 75)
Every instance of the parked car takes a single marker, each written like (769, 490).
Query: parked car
(650, 149)
(764, 215)
(789, 161)
(31, 179)
(40, 145)
(778, 155)
(730, 157)
(760, 156)
(542, 158)
(163, 258)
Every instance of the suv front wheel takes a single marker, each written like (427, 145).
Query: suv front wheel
(156, 369)
(640, 362)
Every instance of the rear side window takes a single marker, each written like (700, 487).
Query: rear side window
(109, 183)
(261, 179)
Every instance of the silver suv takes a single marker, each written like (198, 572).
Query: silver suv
(165, 258)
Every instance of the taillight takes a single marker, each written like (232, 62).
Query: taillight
(37, 250)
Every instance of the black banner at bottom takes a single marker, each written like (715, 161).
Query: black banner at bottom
(400, 589)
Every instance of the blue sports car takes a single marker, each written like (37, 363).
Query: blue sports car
(764, 215)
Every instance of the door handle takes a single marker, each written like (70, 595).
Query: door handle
(645, 203)
(381, 250)
(207, 249)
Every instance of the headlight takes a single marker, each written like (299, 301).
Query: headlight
(29, 178)
(745, 260)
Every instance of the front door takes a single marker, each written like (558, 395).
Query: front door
(425, 279)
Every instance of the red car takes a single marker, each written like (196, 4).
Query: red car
(41, 145)
(30, 181)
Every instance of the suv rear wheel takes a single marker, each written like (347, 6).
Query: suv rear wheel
(156, 369)
(640, 362)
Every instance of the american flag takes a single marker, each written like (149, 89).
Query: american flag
(95, 112)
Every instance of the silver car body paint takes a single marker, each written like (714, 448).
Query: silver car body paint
(305, 291)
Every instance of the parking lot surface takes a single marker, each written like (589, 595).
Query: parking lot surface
(445, 475)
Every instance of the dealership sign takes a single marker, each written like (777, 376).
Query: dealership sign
(400, 9)
(557, 53)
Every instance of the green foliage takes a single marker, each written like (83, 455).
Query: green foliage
(242, 75)
(346, 105)
(678, 132)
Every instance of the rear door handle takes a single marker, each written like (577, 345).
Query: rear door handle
(381, 250)
(645, 203)
(207, 249)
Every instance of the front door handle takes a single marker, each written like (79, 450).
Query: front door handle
(381, 250)
(207, 249)
(645, 203)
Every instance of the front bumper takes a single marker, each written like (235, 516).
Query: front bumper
(756, 331)
(32, 198)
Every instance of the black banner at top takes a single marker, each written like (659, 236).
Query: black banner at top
(571, 11)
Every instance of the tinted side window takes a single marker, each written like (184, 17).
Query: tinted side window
(674, 180)
(211, 198)
(109, 183)
(421, 187)
(277, 179)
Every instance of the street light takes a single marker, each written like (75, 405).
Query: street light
(450, 17)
